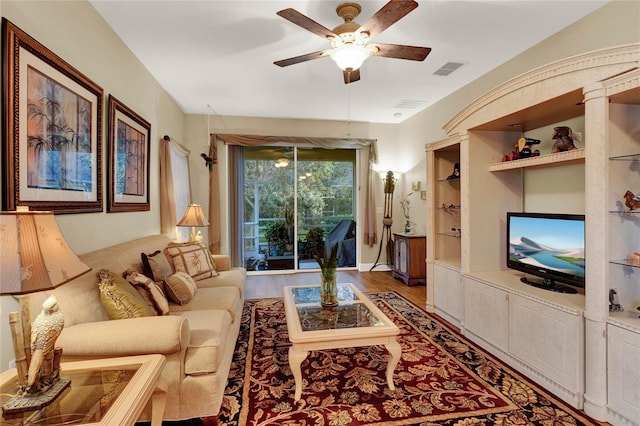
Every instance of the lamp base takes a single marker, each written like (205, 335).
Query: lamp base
(20, 404)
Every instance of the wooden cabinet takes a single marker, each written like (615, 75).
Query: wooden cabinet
(409, 258)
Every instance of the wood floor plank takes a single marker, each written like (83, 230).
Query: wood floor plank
(265, 286)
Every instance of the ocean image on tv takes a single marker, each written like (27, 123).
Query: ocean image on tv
(553, 244)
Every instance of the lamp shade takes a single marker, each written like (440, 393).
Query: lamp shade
(35, 255)
(194, 216)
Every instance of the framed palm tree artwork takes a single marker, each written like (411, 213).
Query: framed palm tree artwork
(52, 132)
(128, 159)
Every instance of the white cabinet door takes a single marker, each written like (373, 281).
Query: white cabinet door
(623, 372)
(548, 339)
(486, 310)
(448, 294)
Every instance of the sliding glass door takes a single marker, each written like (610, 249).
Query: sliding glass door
(296, 202)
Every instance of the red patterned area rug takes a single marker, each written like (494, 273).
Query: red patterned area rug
(441, 379)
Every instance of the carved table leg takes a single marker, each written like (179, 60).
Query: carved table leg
(395, 350)
(295, 360)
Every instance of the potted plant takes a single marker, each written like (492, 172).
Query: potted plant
(276, 235)
(314, 241)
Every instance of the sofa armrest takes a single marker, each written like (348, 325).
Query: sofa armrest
(131, 336)
(223, 261)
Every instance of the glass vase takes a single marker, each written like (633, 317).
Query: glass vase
(328, 288)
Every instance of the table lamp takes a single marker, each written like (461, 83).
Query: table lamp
(194, 216)
(35, 257)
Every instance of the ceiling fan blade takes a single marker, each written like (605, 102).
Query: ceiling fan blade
(351, 76)
(397, 51)
(390, 13)
(307, 23)
(301, 58)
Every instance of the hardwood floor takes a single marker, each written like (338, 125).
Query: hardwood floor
(264, 286)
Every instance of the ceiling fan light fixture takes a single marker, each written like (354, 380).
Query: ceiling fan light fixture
(349, 56)
(282, 162)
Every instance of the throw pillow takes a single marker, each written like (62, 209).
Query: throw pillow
(180, 287)
(156, 265)
(191, 258)
(119, 298)
(149, 290)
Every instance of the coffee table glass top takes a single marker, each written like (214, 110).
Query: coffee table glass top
(87, 400)
(351, 312)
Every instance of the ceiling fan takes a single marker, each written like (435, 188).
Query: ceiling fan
(350, 42)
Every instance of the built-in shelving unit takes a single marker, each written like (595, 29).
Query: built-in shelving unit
(621, 98)
(555, 339)
(444, 287)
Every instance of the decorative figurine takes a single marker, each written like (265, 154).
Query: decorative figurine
(614, 306)
(523, 149)
(45, 330)
(563, 137)
(631, 200)
(456, 172)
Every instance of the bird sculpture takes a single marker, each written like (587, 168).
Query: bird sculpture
(45, 330)
(631, 200)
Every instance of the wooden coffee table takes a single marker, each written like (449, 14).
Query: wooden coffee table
(356, 321)
(111, 391)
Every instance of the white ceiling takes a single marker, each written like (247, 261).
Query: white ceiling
(216, 57)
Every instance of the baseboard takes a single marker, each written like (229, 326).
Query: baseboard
(366, 267)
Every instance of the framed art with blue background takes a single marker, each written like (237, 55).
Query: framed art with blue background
(128, 159)
(52, 130)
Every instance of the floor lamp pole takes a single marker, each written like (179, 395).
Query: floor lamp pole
(387, 221)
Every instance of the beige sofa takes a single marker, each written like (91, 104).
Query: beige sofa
(197, 339)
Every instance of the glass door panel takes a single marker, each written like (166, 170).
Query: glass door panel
(282, 230)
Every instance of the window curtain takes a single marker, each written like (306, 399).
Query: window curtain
(176, 188)
(370, 155)
(214, 198)
(236, 203)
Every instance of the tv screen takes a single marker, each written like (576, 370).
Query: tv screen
(547, 245)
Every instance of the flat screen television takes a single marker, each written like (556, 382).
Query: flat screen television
(549, 246)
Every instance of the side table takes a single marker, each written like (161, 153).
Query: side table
(111, 391)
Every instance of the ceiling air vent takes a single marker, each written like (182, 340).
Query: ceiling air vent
(409, 104)
(448, 68)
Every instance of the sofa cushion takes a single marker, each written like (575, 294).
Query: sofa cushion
(234, 277)
(192, 258)
(223, 298)
(180, 287)
(156, 265)
(149, 290)
(119, 298)
(208, 340)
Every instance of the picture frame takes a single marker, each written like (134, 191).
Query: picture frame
(52, 133)
(127, 159)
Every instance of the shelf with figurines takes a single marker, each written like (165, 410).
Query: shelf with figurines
(627, 157)
(629, 205)
(631, 262)
(454, 233)
(449, 207)
(523, 154)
